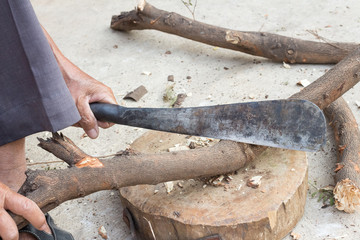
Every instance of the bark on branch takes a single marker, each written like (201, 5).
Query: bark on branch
(273, 46)
(347, 137)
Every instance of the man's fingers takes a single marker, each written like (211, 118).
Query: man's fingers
(88, 121)
(8, 228)
(104, 124)
(23, 206)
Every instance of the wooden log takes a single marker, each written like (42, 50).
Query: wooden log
(232, 211)
(347, 137)
(273, 46)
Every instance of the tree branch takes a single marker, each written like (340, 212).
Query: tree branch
(273, 46)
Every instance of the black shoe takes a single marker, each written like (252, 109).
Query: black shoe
(57, 233)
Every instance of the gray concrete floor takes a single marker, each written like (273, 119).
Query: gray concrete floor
(81, 30)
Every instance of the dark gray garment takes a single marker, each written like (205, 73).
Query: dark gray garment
(33, 94)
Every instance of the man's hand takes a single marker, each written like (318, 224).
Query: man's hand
(84, 90)
(20, 205)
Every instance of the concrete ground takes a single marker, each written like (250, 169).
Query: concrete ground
(81, 30)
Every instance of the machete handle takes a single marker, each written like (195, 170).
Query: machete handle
(107, 112)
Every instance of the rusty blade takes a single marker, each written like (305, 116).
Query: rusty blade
(290, 124)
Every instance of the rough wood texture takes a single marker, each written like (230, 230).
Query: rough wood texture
(272, 46)
(347, 137)
(239, 212)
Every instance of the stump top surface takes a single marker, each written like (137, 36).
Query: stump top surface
(193, 202)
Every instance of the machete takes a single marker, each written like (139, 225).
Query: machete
(291, 124)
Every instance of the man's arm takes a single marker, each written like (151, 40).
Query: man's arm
(84, 90)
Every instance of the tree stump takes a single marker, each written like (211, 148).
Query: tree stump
(233, 210)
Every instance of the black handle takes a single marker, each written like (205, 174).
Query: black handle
(107, 112)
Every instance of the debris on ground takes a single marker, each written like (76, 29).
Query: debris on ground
(170, 78)
(102, 232)
(303, 83)
(146, 73)
(137, 94)
(179, 100)
(254, 182)
(324, 194)
(357, 103)
(84, 135)
(295, 236)
(285, 65)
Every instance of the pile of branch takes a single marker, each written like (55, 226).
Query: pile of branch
(87, 175)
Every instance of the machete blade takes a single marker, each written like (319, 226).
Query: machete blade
(290, 124)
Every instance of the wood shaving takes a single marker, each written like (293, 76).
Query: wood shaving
(303, 83)
(285, 65)
(197, 142)
(295, 236)
(357, 103)
(254, 182)
(146, 73)
(102, 232)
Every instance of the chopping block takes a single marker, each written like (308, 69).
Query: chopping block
(236, 209)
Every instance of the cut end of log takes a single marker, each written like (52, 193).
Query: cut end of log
(347, 196)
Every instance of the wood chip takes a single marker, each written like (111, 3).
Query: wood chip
(295, 236)
(102, 232)
(254, 182)
(303, 83)
(146, 73)
(179, 100)
(357, 103)
(171, 78)
(285, 65)
(137, 94)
